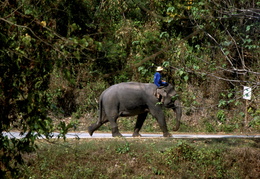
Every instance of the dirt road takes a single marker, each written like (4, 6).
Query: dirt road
(83, 135)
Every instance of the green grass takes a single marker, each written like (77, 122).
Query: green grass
(144, 158)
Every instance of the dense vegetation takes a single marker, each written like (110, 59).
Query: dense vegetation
(56, 57)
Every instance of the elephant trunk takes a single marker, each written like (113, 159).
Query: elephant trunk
(178, 112)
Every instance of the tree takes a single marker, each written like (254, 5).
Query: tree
(29, 51)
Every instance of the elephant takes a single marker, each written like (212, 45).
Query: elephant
(133, 98)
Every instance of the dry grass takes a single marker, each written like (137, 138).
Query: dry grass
(145, 158)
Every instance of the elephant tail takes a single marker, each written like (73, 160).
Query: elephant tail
(99, 123)
(102, 118)
(100, 110)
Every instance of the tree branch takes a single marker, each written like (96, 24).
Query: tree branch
(22, 26)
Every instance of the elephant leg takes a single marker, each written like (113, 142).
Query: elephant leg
(158, 114)
(95, 126)
(114, 127)
(139, 123)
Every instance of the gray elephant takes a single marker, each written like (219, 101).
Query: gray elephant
(130, 99)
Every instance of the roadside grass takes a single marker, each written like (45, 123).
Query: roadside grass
(194, 124)
(144, 158)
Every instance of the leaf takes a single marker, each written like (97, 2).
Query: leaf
(248, 28)
(181, 72)
(186, 78)
(135, 42)
(164, 34)
(28, 11)
(166, 64)
(195, 67)
(171, 9)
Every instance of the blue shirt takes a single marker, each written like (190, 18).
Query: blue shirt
(157, 80)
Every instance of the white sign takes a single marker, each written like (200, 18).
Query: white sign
(247, 93)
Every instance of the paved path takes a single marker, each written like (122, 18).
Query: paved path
(83, 135)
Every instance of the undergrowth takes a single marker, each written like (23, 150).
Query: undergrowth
(147, 158)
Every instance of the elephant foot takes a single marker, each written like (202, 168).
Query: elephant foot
(167, 134)
(136, 135)
(90, 130)
(116, 133)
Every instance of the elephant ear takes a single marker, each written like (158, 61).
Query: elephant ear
(164, 93)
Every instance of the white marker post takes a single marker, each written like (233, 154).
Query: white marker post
(247, 93)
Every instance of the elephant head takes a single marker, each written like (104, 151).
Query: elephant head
(169, 98)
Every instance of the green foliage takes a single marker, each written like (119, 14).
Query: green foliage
(227, 99)
(255, 122)
(209, 126)
(56, 57)
(123, 149)
(26, 65)
(64, 128)
(221, 116)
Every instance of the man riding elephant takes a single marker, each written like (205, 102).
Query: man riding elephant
(157, 78)
(130, 99)
(159, 83)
